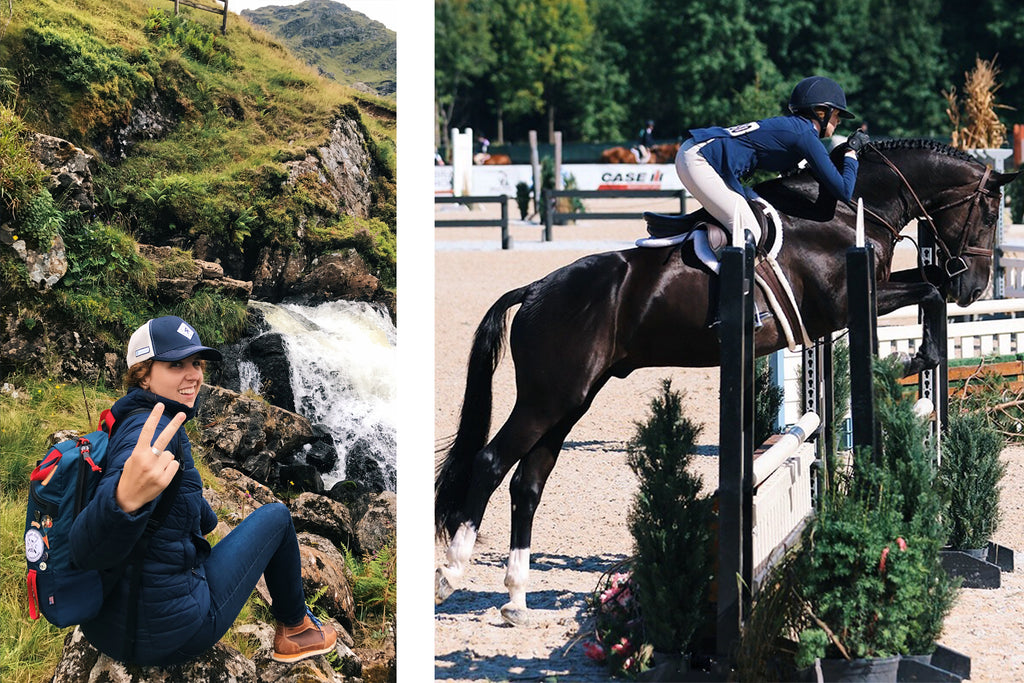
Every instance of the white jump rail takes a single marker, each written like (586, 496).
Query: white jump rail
(924, 408)
(783, 449)
(782, 493)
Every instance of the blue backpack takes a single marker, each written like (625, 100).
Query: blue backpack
(60, 486)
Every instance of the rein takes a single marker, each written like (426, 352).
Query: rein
(955, 264)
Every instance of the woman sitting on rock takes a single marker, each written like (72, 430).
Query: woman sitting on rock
(189, 594)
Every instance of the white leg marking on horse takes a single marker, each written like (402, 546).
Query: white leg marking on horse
(517, 575)
(459, 551)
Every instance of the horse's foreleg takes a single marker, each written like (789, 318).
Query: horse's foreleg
(894, 295)
(526, 488)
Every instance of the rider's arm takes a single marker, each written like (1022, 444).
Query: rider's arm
(840, 185)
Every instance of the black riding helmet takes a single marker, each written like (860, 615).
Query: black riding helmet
(818, 91)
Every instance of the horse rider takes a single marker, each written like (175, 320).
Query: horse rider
(712, 161)
(646, 142)
(482, 156)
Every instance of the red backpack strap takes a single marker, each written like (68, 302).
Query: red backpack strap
(106, 421)
(33, 595)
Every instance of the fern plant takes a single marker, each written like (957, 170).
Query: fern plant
(374, 584)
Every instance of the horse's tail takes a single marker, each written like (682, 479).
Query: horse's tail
(452, 478)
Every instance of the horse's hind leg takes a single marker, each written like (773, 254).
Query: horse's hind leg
(490, 466)
(526, 488)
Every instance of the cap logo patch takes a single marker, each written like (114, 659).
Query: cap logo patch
(142, 351)
(185, 331)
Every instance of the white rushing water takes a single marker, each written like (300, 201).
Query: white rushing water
(343, 375)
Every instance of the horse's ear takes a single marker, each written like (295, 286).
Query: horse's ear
(1005, 178)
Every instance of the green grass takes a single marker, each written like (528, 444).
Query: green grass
(31, 649)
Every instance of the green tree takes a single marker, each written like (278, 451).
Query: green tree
(614, 95)
(462, 54)
(902, 66)
(704, 38)
(543, 51)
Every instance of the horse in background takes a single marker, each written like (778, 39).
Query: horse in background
(618, 155)
(484, 159)
(664, 154)
(660, 154)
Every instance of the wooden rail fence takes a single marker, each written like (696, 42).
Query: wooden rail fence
(502, 200)
(552, 216)
(205, 8)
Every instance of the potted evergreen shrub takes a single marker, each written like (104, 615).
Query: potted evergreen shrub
(869, 574)
(651, 611)
(523, 199)
(969, 476)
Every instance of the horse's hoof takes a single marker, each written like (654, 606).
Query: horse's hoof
(515, 615)
(442, 588)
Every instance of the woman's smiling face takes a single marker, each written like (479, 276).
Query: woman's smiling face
(176, 380)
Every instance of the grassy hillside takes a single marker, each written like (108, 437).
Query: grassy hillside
(345, 45)
(224, 114)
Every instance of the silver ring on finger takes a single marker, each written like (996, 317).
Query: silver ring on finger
(155, 450)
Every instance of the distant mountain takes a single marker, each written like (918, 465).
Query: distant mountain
(343, 44)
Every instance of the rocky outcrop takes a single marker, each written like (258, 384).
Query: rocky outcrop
(44, 268)
(346, 161)
(70, 171)
(340, 273)
(183, 278)
(323, 573)
(377, 526)
(325, 517)
(26, 343)
(248, 434)
(82, 663)
(151, 118)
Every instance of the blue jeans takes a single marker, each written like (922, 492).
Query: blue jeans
(263, 544)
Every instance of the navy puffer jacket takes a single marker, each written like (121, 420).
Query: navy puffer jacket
(173, 597)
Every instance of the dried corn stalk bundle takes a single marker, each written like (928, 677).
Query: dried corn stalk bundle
(979, 127)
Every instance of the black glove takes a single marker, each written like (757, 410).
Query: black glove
(858, 140)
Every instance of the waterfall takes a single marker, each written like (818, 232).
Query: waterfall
(343, 376)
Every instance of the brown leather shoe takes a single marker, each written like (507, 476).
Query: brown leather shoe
(310, 638)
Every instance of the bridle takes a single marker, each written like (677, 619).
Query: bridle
(954, 264)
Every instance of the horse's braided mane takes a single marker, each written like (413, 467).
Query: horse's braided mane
(923, 143)
(905, 143)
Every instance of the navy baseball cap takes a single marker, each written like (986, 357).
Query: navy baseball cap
(168, 338)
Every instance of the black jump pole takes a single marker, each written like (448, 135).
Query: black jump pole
(736, 443)
(862, 323)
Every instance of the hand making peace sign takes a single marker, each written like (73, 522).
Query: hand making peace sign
(150, 467)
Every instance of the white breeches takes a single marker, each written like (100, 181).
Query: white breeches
(704, 183)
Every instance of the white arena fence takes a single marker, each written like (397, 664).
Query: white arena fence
(993, 327)
(1011, 266)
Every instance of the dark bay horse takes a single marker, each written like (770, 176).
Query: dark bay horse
(608, 314)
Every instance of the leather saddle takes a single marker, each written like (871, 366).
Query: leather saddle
(664, 225)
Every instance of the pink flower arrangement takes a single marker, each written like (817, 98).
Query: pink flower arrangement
(618, 634)
(594, 651)
(623, 648)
